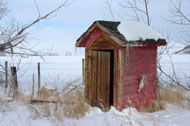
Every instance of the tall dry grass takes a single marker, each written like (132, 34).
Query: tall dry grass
(170, 95)
(75, 105)
(3, 105)
(68, 103)
(71, 106)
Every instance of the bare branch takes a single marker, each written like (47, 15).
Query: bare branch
(147, 14)
(133, 6)
(13, 35)
(171, 78)
(181, 17)
(37, 8)
(178, 16)
(3, 9)
(41, 18)
(108, 3)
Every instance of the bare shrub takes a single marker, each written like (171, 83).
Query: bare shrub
(2, 105)
(46, 110)
(58, 111)
(74, 105)
(47, 94)
(35, 114)
(164, 96)
(69, 102)
(21, 98)
(71, 106)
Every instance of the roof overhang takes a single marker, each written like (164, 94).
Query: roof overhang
(147, 42)
(96, 30)
(92, 32)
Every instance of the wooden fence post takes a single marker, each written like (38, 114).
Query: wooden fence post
(6, 74)
(38, 76)
(14, 81)
(83, 74)
(33, 85)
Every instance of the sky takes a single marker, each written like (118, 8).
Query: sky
(60, 32)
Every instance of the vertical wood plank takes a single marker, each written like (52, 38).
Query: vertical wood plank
(120, 71)
(115, 78)
(89, 67)
(83, 74)
(86, 76)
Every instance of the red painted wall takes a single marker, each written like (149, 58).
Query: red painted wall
(140, 61)
(90, 37)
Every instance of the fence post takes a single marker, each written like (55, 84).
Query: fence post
(38, 76)
(6, 74)
(33, 85)
(83, 74)
(14, 81)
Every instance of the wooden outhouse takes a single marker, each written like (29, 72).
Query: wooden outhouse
(120, 64)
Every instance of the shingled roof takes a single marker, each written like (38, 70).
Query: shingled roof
(133, 32)
(112, 28)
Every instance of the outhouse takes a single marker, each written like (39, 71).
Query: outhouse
(120, 64)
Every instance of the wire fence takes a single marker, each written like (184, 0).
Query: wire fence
(54, 73)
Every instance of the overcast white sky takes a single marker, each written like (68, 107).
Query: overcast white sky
(63, 29)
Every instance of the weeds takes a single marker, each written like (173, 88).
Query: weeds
(70, 103)
(35, 114)
(164, 96)
(2, 105)
(75, 105)
(22, 98)
(71, 106)
(48, 94)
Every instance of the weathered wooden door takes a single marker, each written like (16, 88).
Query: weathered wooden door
(98, 79)
(103, 79)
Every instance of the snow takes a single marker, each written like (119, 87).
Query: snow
(20, 114)
(55, 70)
(134, 31)
(58, 70)
(180, 62)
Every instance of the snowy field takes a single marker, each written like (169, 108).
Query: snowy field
(54, 70)
(61, 69)
(180, 63)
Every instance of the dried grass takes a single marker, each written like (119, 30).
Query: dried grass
(58, 112)
(75, 105)
(35, 114)
(164, 96)
(21, 98)
(48, 94)
(71, 106)
(70, 103)
(2, 105)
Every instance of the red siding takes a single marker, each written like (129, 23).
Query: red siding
(90, 37)
(141, 61)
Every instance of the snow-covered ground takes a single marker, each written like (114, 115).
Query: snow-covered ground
(59, 69)
(178, 64)
(20, 115)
